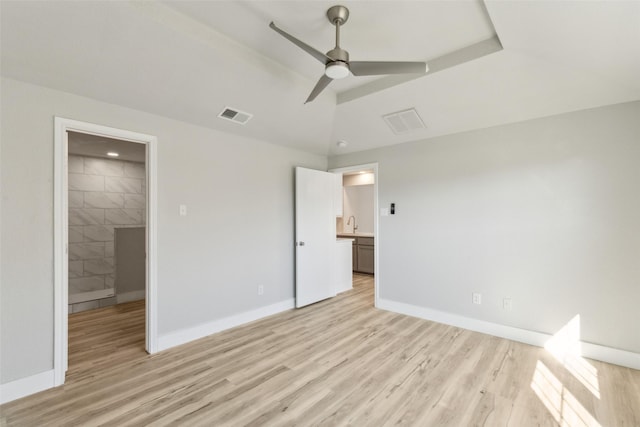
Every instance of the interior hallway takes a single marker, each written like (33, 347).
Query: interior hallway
(337, 362)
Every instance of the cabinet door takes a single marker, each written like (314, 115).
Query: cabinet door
(354, 255)
(365, 259)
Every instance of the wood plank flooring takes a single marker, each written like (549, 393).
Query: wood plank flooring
(338, 362)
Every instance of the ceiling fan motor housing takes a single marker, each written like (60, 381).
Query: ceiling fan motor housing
(338, 68)
(338, 54)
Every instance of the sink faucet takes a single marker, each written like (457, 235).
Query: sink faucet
(355, 227)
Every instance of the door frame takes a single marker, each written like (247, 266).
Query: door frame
(376, 232)
(61, 234)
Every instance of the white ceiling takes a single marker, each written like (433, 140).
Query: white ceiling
(189, 59)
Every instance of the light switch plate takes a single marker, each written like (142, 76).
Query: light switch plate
(183, 210)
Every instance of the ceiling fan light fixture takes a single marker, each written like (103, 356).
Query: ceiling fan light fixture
(336, 70)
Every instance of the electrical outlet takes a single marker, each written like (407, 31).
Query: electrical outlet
(477, 298)
(183, 210)
(260, 289)
(507, 304)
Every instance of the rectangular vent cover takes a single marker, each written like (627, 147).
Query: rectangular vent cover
(235, 115)
(405, 121)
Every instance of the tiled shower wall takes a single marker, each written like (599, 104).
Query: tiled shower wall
(104, 194)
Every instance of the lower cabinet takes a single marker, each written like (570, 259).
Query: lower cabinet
(363, 255)
(365, 259)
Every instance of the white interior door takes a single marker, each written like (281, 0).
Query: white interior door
(315, 236)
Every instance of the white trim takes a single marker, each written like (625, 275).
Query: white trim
(25, 386)
(592, 351)
(60, 248)
(376, 216)
(130, 296)
(183, 336)
(151, 285)
(62, 126)
(91, 295)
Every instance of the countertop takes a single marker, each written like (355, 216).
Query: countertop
(352, 235)
(344, 240)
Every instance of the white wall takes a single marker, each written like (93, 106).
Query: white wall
(358, 201)
(238, 234)
(358, 179)
(546, 212)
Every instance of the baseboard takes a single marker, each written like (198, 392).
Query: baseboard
(91, 295)
(130, 296)
(183, 336)
(592, 351)
(25, 386)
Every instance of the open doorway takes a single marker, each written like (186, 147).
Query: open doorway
(105, 254)
(359, 222)
(106, 221)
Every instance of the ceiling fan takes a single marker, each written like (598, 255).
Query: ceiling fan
(336, 61)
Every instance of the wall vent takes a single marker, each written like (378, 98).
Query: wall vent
(235, 115)
(404, 121)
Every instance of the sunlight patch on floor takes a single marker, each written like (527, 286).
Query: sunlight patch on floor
(560, 402)
(566, 348)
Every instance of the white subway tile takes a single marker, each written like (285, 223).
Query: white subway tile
(135, 201)
(109, 249)
(75, 164)
(82, 251)
(103, 200)
(123, 185)
(134, 170)
(86, 216)
(75, 234)
(99, 266)
(104, 167)
(76, 269)
(110, 281)
(86, 182)
(76, 199)
(123, 216)
(98, 233)
(86, 284)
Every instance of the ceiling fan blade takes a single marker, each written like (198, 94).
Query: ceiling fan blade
(322, 83)
(310, 50)
(373, 68)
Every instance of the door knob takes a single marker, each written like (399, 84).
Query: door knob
(300, 243)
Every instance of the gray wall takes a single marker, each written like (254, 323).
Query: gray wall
(238, 233)
(546, 212)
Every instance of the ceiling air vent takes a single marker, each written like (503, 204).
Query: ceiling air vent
(405, 121)
(235, 116)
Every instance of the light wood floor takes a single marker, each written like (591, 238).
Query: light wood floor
(338, 362)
